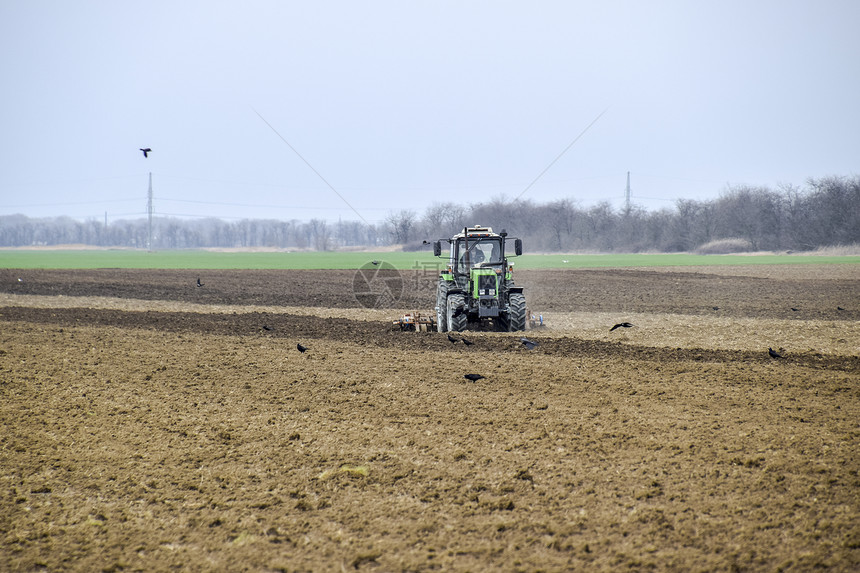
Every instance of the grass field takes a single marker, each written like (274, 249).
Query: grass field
(198, 259)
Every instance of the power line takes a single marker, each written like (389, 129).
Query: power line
(69, 181)
(551, 163)
(266, 206)
(74, 203)
(312, 168)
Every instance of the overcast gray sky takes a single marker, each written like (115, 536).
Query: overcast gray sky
(398, 104)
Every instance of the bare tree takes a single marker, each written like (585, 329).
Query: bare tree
(824, 212)
(319, 235)
(400, 225)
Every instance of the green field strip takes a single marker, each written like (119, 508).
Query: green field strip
(199, 259)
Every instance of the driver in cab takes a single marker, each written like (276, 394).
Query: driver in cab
(473, 256)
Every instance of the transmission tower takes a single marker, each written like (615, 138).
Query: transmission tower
(627, 194)
(149, 212)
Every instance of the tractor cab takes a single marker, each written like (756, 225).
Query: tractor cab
(477, 247)
(485, 252)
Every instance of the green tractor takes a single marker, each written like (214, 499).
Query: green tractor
(477, 286)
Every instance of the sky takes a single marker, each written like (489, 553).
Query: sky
(345, 110)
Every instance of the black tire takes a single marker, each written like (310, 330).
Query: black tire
(456, 323)
(517, 310)
(442, 307)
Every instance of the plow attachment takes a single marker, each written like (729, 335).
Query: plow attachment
(416, 322)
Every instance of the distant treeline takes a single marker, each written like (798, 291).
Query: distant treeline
(825, 212)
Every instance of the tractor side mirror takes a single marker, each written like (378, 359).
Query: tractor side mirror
(437, 249)
(518, 246)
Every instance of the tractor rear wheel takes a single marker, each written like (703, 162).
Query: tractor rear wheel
(456, 323)
(517, 310)
(442, 307)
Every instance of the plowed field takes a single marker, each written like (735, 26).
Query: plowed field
(150, 424)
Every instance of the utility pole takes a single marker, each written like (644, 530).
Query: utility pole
(149, 212)
(627, 195)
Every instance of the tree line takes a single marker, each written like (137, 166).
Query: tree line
(824, 212)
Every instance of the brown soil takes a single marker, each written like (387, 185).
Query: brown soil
(148, 424)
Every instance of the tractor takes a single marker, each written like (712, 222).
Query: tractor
(477, 286)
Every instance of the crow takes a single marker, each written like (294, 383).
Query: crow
(146, 151)
(301, 348)
(774, 354)
(459, 310)
(452, 340)
(620, 325)
(266, 327)
(199, 284)
(837, 308)
(795, 309)
(374, 263)
(529, 344)
(467, 342)
(716, 308)
(425, 242)
(473, 377)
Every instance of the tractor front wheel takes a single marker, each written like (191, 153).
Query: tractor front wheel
(517, 310)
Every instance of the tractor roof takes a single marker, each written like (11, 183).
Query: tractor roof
(476, 232)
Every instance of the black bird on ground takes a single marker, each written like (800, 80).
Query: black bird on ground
(467, 342)
(529, 344)
(459, 310)
(266, 327)
(837, 308)
(301, 348)
(146, 151)
(425, 242)
(374, 263)
(774, 354)
(199, 284)
(716, 308)
(452, 340)
(473, 377)
(621, 325)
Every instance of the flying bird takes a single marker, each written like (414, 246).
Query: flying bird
(467, 342)
(301, 348)
(146, 151)
(621, 325)
(452, 340)
(473, 377)
(774, 354)
(529, 344)
(199, 284)
(459, 310)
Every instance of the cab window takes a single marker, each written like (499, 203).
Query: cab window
(481, 252)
